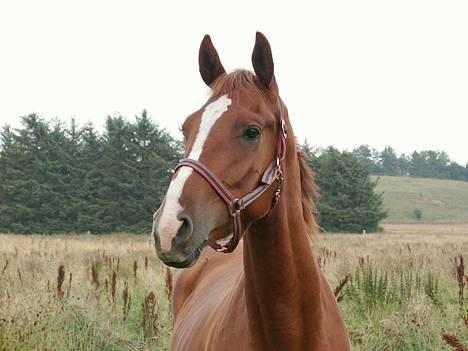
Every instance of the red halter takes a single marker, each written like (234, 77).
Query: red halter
(235, 206)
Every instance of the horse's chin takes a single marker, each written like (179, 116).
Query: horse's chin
(184, 257)
(189, 261)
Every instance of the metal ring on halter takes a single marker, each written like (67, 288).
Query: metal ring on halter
(284, 129)
(235, 208)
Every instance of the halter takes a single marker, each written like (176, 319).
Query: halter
(235, 206)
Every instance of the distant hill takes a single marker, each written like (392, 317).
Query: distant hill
(440, 201)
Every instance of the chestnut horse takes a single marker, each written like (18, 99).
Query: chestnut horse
(269, 293)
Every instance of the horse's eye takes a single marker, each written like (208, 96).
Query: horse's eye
(252, 133)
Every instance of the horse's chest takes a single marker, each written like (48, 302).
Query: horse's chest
(216, 322)
(211, 330)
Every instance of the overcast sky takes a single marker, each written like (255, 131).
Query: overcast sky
(351, 72)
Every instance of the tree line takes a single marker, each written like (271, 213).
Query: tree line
(57, 177)
(423, 164)
(66, 178)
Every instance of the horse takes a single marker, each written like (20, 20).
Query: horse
(239, 216)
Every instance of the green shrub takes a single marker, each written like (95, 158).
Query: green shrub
(417, 213)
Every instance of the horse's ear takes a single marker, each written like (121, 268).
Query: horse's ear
(209, 63)
(262, 60)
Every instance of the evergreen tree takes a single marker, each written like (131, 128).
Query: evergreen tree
(389, 161)
(116, 188)
(154, 156)
(24, 186)
(58, 178)
(430, 164)
(455, 171)
(348, 202)
(364, 154)
(10, 175)
(403, 165)
(89, 181)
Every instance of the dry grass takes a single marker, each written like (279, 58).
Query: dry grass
(422, 228)
(398, 291)
(405, 289)
(106, 304)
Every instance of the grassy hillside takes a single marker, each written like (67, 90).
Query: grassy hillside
(440, 201)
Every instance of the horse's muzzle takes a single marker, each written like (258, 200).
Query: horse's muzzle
(172, 243)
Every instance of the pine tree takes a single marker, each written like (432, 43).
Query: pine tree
(154, 155)
(348, 202)
(23, 187)
(389, 161)
(404, 165)
(88, 182)
(62, 178)
(9, 176)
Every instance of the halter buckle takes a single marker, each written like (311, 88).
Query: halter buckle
(235, 207)
(279, 180)
(284, 129)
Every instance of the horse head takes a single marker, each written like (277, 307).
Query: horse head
(233, 147)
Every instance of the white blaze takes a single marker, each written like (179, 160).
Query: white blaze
(168, 222)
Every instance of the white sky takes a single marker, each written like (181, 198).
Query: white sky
(351, 72)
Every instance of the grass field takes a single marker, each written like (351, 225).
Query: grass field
(440, 201)
(401, 295)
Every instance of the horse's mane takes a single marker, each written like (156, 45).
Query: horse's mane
(310, 193)
(242, 80)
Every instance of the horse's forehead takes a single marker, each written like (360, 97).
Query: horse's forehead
(222, 109)
(208, 112)
(211, 114)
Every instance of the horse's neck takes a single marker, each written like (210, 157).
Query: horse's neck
(283, 284)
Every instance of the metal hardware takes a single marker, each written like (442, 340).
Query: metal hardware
(279, 182)
(235, 208)
(284, 129)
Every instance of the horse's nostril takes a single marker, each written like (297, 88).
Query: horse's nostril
(184, 231)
